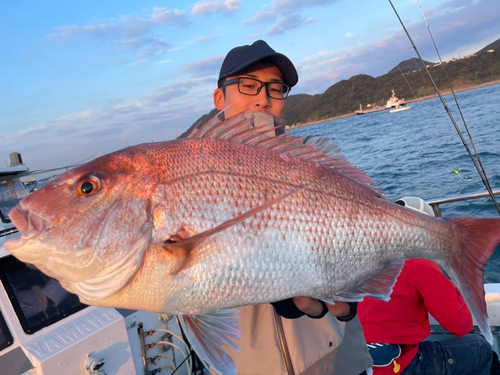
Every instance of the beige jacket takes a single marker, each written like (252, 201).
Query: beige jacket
(315, 346)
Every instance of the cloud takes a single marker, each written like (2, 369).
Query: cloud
(76, 136)
(281, 8)
(170, 92)
(323, 58)
(460, 26)
(207, 8)
(206, 38)
(163, 62)
(316, 85)
(289, 22)
(168, 111)
(254, 36)
(297, 5)
(467, 29)
(124, 27)
(287, 12)
(205, 67)
(262, 17)
(31, 129)
(167, 17)
(175, 91)
(125, 32)
(373, 59)
(76, 116)
(153, 51)
(149, 46)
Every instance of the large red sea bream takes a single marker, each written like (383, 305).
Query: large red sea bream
(231, 217)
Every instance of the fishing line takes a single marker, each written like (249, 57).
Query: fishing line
(415, 96)
(457, 172)
(453, 92)
(420, 71)
(185, 359)
(483, 176)
(352, 88)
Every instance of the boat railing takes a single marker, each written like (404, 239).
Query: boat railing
(8, 231)
(435, 203)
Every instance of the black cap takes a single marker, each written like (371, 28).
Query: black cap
(240, 57)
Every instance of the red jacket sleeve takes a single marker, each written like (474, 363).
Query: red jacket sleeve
(441, 298)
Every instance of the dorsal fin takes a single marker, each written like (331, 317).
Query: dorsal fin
(239, 129)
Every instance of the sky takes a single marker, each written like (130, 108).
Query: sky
(82, 77)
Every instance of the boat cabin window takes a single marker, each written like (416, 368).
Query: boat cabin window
(37, 299)
(5, 335)
(11, 192)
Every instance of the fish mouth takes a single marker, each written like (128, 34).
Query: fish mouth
(29, 223)
(82, 272)
(14, 244)
(113, 278)
(30, 248)
(52, 260)
(99, 283)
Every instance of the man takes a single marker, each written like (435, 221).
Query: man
(319, 339)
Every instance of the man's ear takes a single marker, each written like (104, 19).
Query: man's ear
(219, 100)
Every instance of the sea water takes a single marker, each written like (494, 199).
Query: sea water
(415, 152)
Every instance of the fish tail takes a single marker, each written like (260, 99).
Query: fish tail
(477, 241)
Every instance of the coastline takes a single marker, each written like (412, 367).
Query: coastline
(443, 93)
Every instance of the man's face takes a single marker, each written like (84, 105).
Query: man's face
(258, 103)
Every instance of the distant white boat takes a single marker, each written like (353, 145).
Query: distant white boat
(394, 101)
(369, 109)
(398, 108)
(360, 112)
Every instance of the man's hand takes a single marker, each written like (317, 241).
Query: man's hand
(313, 307)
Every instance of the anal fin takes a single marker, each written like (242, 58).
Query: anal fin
(209, 332)
(378, 287)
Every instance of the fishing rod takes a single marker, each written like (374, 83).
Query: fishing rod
(464, 142)
(67, 167)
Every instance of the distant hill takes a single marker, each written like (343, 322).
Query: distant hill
(410, 65)
(337, 99)
(200, 121)
(344, 97)
(494, 45)
(294, 99)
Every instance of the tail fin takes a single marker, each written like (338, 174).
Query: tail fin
(477, 242)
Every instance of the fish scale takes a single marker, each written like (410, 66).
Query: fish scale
(230, 217)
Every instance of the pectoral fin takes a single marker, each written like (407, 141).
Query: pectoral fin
(182, 246)
(208, 333)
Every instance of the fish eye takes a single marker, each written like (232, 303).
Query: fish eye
(87, 186)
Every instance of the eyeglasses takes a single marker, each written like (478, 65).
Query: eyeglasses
(251, 86)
